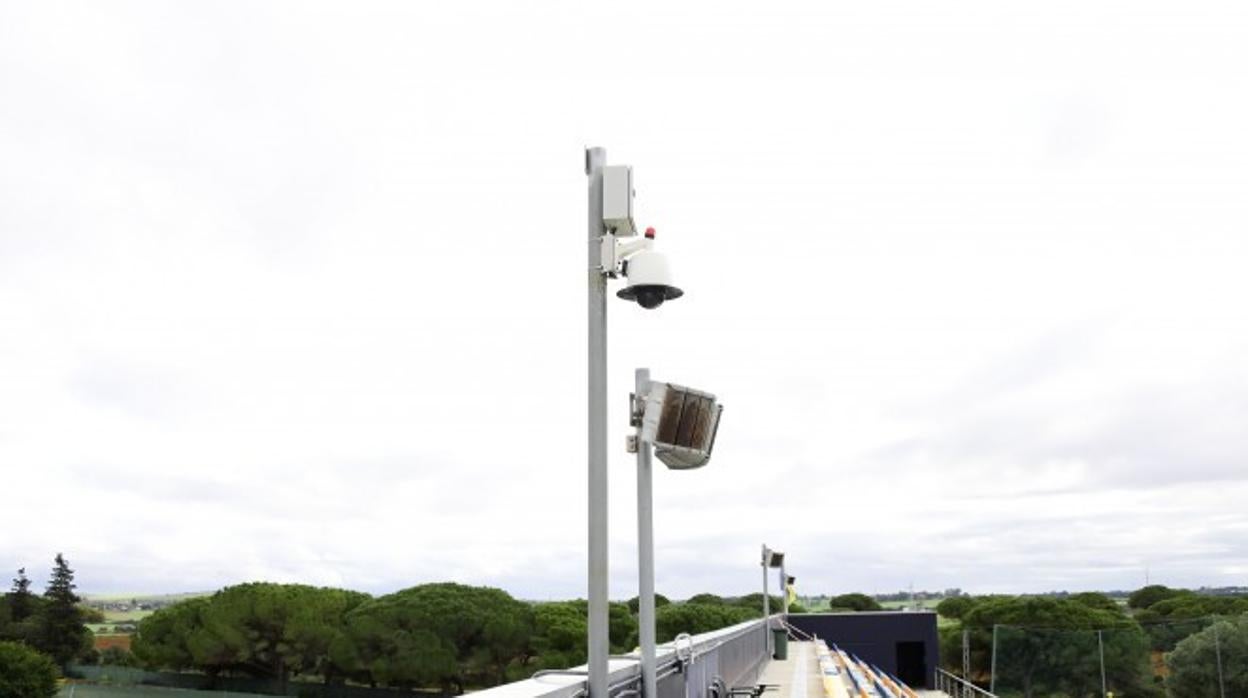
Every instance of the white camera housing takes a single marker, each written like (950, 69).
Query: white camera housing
(649, 276)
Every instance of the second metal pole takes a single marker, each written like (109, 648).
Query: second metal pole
(645, 551)
(784, 589)
(766, 605)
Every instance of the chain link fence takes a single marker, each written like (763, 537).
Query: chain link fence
(1187, 658)
(222, 685)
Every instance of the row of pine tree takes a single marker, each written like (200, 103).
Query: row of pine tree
(51, 623)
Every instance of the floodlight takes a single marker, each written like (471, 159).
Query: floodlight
(775, 558)
(681, 424)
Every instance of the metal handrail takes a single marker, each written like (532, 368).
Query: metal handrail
(957, 687)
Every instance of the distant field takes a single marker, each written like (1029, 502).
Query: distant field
(146, 597)
(125, 616)
(89, 691)
(113, 618)
(894, 605)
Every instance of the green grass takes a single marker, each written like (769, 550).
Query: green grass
(180, 596)
(895, 605)
(93, 691)
(114, 618)
(125, 616)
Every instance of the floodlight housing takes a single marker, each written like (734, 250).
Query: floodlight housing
(680, 423)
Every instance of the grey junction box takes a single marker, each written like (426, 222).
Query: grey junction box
(617, 200)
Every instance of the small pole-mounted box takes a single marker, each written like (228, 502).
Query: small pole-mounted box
(617, 200)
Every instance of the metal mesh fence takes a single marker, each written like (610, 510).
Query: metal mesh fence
(132, 677)
(1188, 658)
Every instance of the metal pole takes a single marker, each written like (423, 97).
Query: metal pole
(784, 592)
(1217, 650)
(966, 654)
(1100, 648)
(645, 550)
(766, 606)
(992, 677)
(595, 160)
(784, 589)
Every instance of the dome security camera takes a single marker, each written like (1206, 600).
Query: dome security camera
(649, 280)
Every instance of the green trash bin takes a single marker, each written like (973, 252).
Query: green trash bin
(780, 640)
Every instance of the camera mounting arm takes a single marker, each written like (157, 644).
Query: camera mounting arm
(614, 252)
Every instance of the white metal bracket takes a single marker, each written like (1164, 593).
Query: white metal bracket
(613, 252)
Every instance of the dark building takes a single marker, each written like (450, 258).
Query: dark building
(903, 643)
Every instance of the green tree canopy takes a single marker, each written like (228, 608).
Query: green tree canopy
(315, 626)
(441, 634)
(164, 639)
(1194, 661)
(754, 603)
(955, 606)
(25, 673)
(265, 630)
(706, 599)
(694, 618)
(1049, 646)
(1151, 594)
(855, 601)
(659, 602)
(20, 599)
(1193, 605)
(117, 656)
(1171, 619)
(62, 634)
(1095, 599)
(560, 635)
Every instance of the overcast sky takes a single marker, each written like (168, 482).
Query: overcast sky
(295, 291)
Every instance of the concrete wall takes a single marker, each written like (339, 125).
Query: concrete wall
(873, 636)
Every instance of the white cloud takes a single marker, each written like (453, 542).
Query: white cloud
(295, 293)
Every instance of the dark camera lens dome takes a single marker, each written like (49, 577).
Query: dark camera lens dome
(650, 296)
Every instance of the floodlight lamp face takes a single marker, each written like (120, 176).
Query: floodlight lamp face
(681, 424)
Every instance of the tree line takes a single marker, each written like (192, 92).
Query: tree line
(446, 636)
(1048, 645)
(37, 633)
